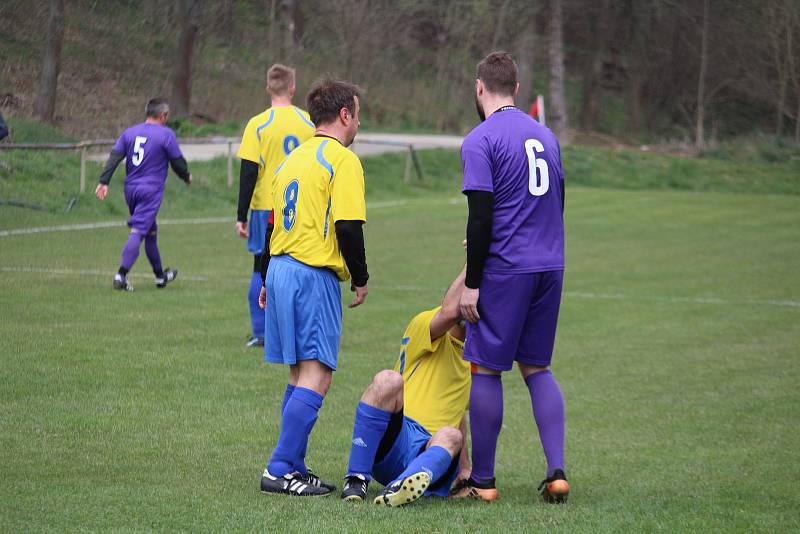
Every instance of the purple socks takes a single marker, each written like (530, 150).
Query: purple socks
(485, 418)
(130, 253)
(151, 249)
(548, 410)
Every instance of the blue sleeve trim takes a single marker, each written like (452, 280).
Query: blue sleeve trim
(321, 158)
(327, 214)
(269, 121)
(305, 120)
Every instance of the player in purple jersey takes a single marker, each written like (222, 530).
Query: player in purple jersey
(514, 183)
(147, 149)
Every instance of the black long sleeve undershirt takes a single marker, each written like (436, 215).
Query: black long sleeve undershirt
(479, 235)
(248, 173)
(265, 256)
(180, 167)
(350, 235)
(3, 128)
(114, 159)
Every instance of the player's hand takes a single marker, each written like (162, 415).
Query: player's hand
(241, 229)
(469, 304)
(361, 295)
(189, 180)
(262, 298)
(465, 244)
(101, 191)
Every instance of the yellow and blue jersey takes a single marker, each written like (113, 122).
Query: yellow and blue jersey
(268, 138)
(436, 378)
(318, 184)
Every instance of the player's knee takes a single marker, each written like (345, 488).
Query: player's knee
(388, 382)
(450, 438)
(386, 389)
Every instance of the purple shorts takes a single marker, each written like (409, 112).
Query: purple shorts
(143, 205)
(519, 314)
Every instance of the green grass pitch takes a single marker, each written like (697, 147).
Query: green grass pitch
(677, 351)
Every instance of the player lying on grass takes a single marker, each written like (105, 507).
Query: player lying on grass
(147, 149)
(406, 432)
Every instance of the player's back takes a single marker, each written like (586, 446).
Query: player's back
(519, 161)
(319, 183)
(270, 136)
(148, 149)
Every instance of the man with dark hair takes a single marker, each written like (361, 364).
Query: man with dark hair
(514, 184)
(147, 149)
(268, 138)
(318, 195)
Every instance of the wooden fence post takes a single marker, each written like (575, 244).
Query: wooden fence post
(83, 168)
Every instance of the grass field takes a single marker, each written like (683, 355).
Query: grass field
(677, 353)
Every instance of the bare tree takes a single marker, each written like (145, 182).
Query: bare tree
(525, 46)
(45, 106)
(557, 112)
(184, 62)
(699, 134)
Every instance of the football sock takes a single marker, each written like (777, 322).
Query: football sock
(151, 249)
(298, 420)
(435, 460)
(486, 419)
(368, 430)
(286, 396)
(548, 410)
(256, 313)
(131, 251)
(123, 272)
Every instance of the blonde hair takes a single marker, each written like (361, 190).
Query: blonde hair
(279, 79)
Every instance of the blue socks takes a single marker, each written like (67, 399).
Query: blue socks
(256, 313)
(286, 396)
(368, 430)
(435, 460)
(299, 416)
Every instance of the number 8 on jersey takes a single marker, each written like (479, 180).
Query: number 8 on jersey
(290, 208)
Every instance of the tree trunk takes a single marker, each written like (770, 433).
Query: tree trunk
(226, 21)
(294, 26)
(699, 134)
(45, 106)
(557, 112)
(525, 72)
(182, 70)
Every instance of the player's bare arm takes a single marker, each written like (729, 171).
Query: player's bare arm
(479, 237)
(450, 313)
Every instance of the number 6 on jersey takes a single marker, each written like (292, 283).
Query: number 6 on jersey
(537, 186)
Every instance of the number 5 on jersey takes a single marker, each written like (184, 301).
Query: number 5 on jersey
(537, 185)
(138, 150)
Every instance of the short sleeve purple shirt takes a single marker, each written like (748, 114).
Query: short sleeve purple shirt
(519, 161)
(148, 149)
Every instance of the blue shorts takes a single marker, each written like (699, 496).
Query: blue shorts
(519, 315)
(257, 228)
(410, 443)
(303, 314)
